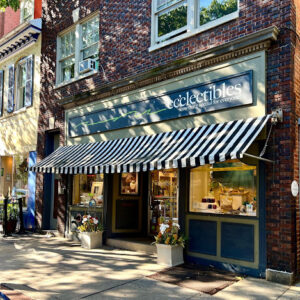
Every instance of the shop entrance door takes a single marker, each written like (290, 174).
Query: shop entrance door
(128, 206)
(163, 199)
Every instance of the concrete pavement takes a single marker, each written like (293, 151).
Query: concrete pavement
(54, 268)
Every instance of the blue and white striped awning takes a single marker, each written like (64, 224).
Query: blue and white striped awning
(176, 149)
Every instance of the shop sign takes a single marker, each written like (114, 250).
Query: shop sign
(211, 96)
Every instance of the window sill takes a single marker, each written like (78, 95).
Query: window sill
(19, 111)
(59, 85)
(195, 31)
(14, 113)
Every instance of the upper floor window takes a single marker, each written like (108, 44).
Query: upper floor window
(27, 10)
(176, 19)
(20, 84)
(78, 51)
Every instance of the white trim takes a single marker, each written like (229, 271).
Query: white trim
(192, 27)
(77, 28)
(22, 11)
(59, 85)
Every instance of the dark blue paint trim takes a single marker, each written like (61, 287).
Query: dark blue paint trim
(203, 237)
(29, 216)
(262, 216)
(260, 273)
(237, 241)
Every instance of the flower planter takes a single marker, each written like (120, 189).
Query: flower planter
(11, 226)
(91, 240)
(168, 255)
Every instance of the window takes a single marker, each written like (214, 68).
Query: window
(24, 82)
(224, 188)
(163, 198)
(84, 37)
(27, 10)
(20, 177)
(67, 60)
(181, 18)
(88, 190)
(129, 184)
(21, 85)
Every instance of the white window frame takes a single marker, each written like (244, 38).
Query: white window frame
(31, 16)
(78, 47)
(17, 84)
(193, 27)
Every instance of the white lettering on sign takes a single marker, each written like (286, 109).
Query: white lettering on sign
(209, 96)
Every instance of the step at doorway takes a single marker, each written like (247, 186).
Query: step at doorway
(133, 244)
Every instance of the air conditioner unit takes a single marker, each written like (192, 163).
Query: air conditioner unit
(87, 65)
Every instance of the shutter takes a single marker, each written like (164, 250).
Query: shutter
(29, 81)
(1, 91)
(11, 88)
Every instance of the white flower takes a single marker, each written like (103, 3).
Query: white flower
(89, 216)
(176, 225)
(96, 221)
(163, 227)
(84, 219)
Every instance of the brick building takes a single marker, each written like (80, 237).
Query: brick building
(132, 69)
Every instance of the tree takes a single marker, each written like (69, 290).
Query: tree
(217, 9)
(14, 4)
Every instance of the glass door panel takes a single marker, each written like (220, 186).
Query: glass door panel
(163, 199)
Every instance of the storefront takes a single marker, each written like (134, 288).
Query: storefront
(188, 149)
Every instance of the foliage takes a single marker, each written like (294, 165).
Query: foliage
(217, 9)
(90, 224)
(172, 20)
(169, 235)
(14, 4)
(12, 212)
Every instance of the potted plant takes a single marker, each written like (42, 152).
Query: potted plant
(91, 232)
(12, 219)
(169, 245)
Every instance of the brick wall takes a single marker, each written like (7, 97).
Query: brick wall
(124, 43)
(9, 20)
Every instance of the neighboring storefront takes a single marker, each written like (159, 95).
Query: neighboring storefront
(187, 149)
(20, 52)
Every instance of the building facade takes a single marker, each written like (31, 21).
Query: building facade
(19, 104)
(172, 110)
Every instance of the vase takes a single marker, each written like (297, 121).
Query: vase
(91, 240)
(169, 255)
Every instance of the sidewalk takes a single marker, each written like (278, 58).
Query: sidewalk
(54, 268)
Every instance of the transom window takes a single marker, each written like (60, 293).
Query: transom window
(27, 10)
(181, 18)
(78, 51)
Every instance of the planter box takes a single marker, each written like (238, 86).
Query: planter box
(91, 240)
(168, 255)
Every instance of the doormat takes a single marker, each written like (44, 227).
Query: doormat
(200, 278)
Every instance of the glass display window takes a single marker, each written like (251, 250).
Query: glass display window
(20, 178)
(129, 184)
(224, 188)
(163, 199)
(88, 190)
